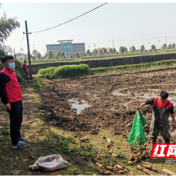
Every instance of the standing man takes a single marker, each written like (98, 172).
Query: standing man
(161, 108)
(11, 96)
(25, 69)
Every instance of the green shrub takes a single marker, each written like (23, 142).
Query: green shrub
(45, 71)
(66, 70)
(50, 76)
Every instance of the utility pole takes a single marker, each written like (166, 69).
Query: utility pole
(112, 44)
(27, 38)
(34, 51)
(149, 45)
(44, 51)
(159, 44)
(14, 54)
(166, 41)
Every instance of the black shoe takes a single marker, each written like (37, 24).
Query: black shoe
(22, 139)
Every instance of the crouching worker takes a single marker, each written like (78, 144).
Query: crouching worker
(11, 96)
(161, 108)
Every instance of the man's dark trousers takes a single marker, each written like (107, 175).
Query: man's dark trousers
(16, 118)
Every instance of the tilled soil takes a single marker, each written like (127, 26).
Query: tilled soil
(113, 101)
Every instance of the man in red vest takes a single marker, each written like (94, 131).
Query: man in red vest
(161, 108)
(25, 68)
(11, 96)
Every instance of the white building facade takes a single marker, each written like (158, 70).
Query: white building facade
(20, 56)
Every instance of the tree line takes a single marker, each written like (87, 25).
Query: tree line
(101, 51)
(123, 49)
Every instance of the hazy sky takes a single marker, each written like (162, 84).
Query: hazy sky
(127, 24)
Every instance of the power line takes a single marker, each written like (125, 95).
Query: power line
(99, 42)
(102, 41)
(71, 19)
(171, 37)
(140, 39)
(125, 40)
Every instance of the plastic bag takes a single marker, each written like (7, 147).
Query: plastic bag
(137, 135)
(50, 163)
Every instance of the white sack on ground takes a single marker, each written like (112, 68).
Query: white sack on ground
(50, 163)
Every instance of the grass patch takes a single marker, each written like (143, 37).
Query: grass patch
(159, 65)
(36, 85)
(66, 70)
(64, 146)
(4, 131)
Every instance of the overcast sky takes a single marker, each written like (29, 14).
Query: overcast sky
(127, 24)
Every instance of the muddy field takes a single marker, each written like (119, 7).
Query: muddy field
(110, 102)
(101, 109)
(89, 105)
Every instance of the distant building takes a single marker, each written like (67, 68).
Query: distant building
(67, 47)
(20, 56)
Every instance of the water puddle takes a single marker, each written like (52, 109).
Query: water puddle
(78, 106)
(145, 96)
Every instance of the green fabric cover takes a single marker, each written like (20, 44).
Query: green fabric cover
(137, 135)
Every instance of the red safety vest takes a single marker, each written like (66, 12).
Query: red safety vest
(13, 89)
(159, 104)
(25, 66)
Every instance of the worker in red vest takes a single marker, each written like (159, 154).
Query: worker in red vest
(25, 68)
(161, 108)
(11, 96)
